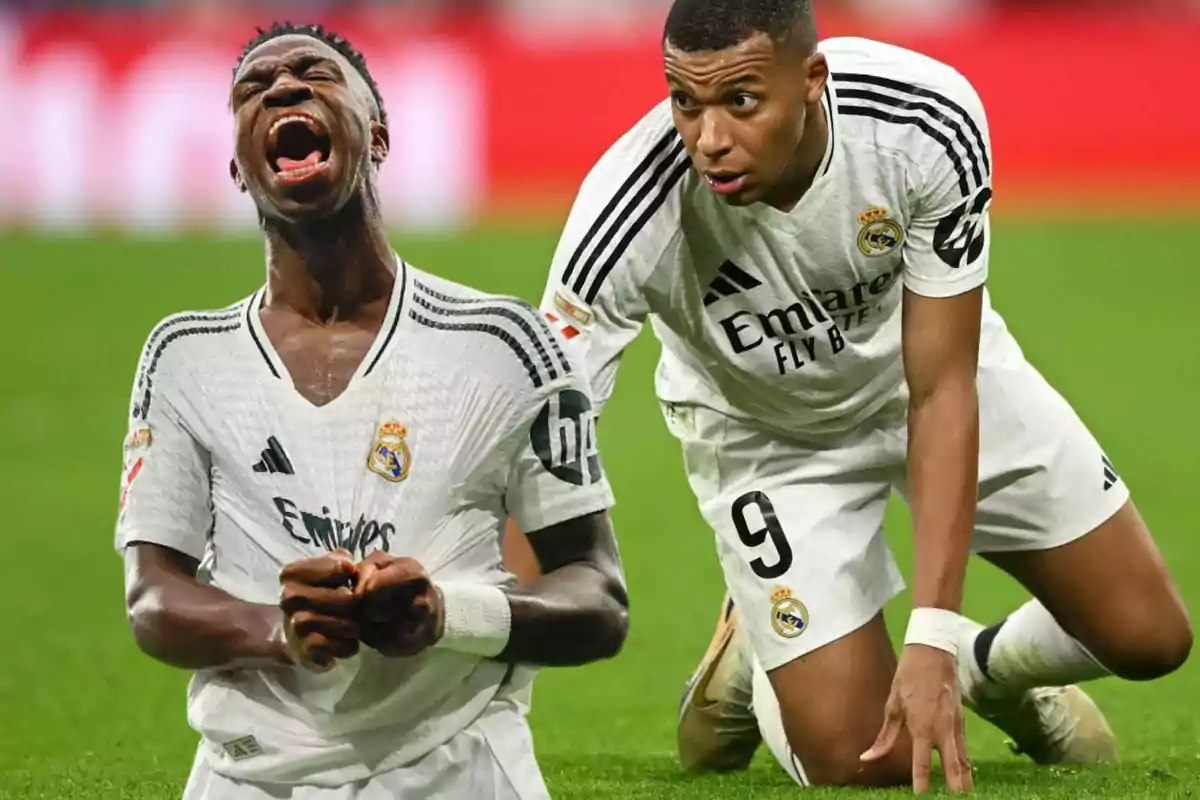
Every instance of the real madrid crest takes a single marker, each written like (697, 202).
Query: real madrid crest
(880, 234)
(390, 457)
(789, 617)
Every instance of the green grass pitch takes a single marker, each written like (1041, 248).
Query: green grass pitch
(1106, 310)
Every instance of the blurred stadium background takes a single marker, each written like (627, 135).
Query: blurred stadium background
(116, 209)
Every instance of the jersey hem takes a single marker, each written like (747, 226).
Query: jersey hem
(160, 541)
(553, 514)
(950, 288)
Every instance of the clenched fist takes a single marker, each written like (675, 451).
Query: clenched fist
(399, 609)
(319, 607)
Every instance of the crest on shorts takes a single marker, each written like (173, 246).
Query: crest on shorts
(879, 234)
(390, 457)
(789, 617)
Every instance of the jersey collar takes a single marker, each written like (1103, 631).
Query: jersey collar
(383, 339)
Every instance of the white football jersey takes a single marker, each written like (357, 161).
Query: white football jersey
(464, 412)
(790, 319)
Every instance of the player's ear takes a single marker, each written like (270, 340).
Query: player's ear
(236, 174)
(818, 75)
(381, 143)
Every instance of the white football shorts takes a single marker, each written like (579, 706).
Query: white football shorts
(799, 521)
(492, 759)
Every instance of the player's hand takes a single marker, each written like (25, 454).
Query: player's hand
(400, 610)
(925, 700)
(318, 603)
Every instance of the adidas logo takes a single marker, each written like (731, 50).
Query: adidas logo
(274, 460)
(732, 280)
(1111, 476)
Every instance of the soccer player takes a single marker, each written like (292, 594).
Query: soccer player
(806, 229)
(317, 480)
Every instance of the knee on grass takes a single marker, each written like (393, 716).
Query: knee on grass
(842, 767)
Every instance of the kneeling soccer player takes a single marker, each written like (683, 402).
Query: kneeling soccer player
(357, 431)
(805, 225)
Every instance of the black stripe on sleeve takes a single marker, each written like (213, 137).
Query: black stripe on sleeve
(225, 315)
(922, 123)
(581, 281)
(905, 104)
(929, 94)
(562, 360)
(142, 410)
(518, 312)
(491, 330)
(638, 172)
(663, 193)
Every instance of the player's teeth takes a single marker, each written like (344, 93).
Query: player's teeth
(279, 123)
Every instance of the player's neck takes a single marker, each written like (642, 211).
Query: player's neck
(331, 268)
(809, 155)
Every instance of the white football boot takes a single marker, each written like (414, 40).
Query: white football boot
(717, 729)
(1051, 725)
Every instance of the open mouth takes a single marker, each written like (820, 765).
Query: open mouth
(725, 182)
(298, 147)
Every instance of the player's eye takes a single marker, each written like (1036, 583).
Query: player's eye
(683, 101)
(248, 90)
(744, 101)
(323, 77)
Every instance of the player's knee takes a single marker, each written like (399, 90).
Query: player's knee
(841, 766)
(1157, 645)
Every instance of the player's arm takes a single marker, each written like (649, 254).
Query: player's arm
(578, 610)
(574, 613)
(941, 351)
(162, 531)
(182, 622)
(945, 269)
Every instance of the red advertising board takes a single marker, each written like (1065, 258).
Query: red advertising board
(122, 119)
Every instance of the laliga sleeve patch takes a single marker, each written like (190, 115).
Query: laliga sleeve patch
(960, 237)
(564, 437)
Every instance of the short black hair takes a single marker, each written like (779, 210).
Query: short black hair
(318, 32)
(702, 25)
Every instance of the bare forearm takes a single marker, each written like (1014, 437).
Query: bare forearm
(189, 625)
(574, 615)
(943, 466)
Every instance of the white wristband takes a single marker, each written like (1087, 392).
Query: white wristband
(476, 618)
(934, 627)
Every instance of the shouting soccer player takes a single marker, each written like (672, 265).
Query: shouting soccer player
(357, 431)
(807, 230)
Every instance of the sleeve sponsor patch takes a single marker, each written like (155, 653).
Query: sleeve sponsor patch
(563, 436)
(960, 237)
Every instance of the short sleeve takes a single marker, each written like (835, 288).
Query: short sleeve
(556, 473)
(165, 485)
(947, 245)
(621, 223)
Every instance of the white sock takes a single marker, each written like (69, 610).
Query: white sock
(770, 724)
(1031, 649)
